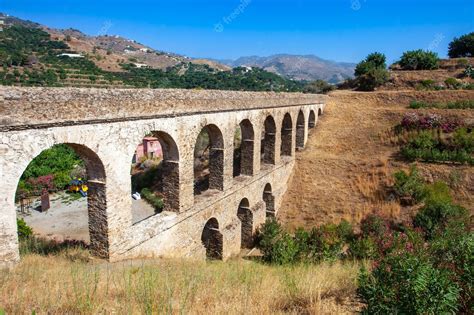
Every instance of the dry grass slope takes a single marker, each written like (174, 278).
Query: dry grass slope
(68, 284)
(349, 158)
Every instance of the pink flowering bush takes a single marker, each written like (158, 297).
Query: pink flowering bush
(416, 121)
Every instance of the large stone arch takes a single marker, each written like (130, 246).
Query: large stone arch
(245, 215)
(216, 156)
(212, 240)
(245, 161)
(268, 144)
(169, 170)
(300, 130)
(97, 198)
(286, 136)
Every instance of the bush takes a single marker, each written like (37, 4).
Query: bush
(325, 243)
(371, 72)
(409, 185)
(407, 284)
(277, 246)
(24, 231)
(436, 215)
(462, 46)
(318, 87)
(419, 60)
(452, 83)
(153, 199)
(465, 104)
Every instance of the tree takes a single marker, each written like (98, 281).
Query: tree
(462, 46)
(371, 72)
(419, 60)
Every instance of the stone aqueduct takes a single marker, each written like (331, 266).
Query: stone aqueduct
(104, 126)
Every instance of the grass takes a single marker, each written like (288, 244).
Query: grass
(58, 284)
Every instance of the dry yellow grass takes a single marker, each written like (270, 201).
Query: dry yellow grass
(57, 285)
(350, 157)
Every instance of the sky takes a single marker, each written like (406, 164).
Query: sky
(340, 30)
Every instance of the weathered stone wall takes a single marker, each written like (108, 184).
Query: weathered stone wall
(108, 147)
(62, 106)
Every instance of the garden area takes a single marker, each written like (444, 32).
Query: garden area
(435, 138)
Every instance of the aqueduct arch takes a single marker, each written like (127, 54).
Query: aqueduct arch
(89, 121)
(245, 160)
(300, 131)
(168, 171)
(311, 120)
(287, 136)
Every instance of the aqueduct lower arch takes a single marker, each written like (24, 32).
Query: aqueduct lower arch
(104, 127)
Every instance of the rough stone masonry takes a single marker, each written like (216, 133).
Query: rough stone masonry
(104, 127)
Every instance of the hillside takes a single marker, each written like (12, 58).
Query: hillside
(112, 50)
(299, 67)
(33, 55)
(349, 160)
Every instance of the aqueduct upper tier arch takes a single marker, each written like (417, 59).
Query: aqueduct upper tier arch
(106, 124)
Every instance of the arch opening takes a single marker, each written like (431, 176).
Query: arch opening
(286, 136)
(300, 128)
(320, 112)
(269, 200)
(312, 120)
(61, 195)
(243, 149)
(267, 152)
(245, 215)
(155, 176)
(209, 160)
(212, 240)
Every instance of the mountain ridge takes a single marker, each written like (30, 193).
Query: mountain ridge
(306, 67)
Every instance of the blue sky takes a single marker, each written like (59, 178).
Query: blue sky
(342, 30)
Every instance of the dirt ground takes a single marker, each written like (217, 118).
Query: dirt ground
(346, 163)
(67, 219)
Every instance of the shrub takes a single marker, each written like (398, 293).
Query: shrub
(452, 83)
(453, 249)
(24, 231)
(409, 185)
(419, 60)
(153, 199)
(363, 247)
(318, 87)
(469, 72)
(436, 215)
(462, 46)
(371, 72)
(464, 104)
(277, 246)
(407, 284)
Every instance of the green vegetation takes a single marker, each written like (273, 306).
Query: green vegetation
(462, 46)
(24, 231)
(419, 60)
(466, 104)
(422, 267)
(30, 58)
(153, 199)
(318, 87)
(429, 147)
(371, 72)
(51, 170)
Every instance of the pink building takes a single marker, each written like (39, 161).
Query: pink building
(149, 148)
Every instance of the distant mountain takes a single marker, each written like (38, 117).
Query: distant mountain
(298, 67)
